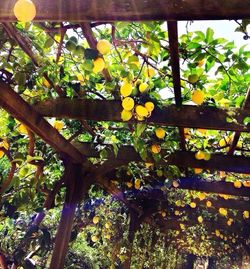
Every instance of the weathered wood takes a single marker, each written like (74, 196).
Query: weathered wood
(75, 190)
(22, 111)
(131, 10)
(213, 187)
(183, 159)
(185, 116)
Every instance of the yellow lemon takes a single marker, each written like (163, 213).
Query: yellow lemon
(1, 154)
(246, 183)
(103, 46)
(94, 238)
(193, 205)
(25, 10)
(126, 89)
(22, 129)
(149, 106)
(175, 184)
(164, 214)
(155, 148)
(202, 196)
(126, 115)
(129, 184)
(198, 97)
(177, 212)
(246, 214)
(99, 65)
(200, 219)
(149, 72)
(143, 87)
(199, 155)
(208, 203)
(108, 224)
(207, 156)
(217, 233)
(197, 170)
(58, 125)
(128, 103)
(222, 211)
(237, 184)
(160, 133)
(141, 111)
(107, 236)
(96, 219)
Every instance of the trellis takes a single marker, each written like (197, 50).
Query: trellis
(75, 155)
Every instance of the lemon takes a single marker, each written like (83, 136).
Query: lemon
(107, 236)
(217, 233)
(143, 87)
(246, 214)
(222, 211)
(207, 156)
(222, 174)
(208, 203)
(246, 183)
(182, 226)
(155, 148)
(22, 129)
(99, 65)
(177, 212)
(96, 219)
(1, 154)
(103, 46)
(160, 133)
(199, 155)
(229, 223)
(126, 89)
(187, 133)
(175, 184)
(129, 184)
(237, 184)
(198, 97)
(193, 205)
(108, 224)
(193, 78)
(178, 203)
(200, 219)
(202, 196)
(58, 125)
(149, 106)
(25, 10)
(149, 72)
(94, 238)
(141, 111)
(128, 103)
(126, 115)
(164, 214)
(197, 170)
(201, 131)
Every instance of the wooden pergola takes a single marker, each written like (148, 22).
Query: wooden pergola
(80, 173)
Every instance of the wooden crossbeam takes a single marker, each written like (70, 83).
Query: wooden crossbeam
(185, 116)
(131, 10)
(184, 159)
(22, 111)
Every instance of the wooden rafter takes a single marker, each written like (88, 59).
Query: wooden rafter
(184, 159)
(130, 10)
(185, 116)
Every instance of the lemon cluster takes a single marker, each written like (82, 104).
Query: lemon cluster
(130, 109)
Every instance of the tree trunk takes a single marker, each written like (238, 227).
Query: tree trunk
(3, 262)
(75, 190)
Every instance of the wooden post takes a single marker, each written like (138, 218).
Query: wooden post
(76, 187)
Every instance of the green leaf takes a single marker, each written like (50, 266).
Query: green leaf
(139, 129)
(246, 121)
(48, 43)
(209, 35)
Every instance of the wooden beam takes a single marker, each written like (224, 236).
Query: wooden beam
(183, 159)
(185, 116)
(131, 10)
(192, 183)
(22, 111)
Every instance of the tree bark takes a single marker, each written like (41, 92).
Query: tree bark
(3, 262)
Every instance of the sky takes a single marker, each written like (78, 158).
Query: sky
(224, 28)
